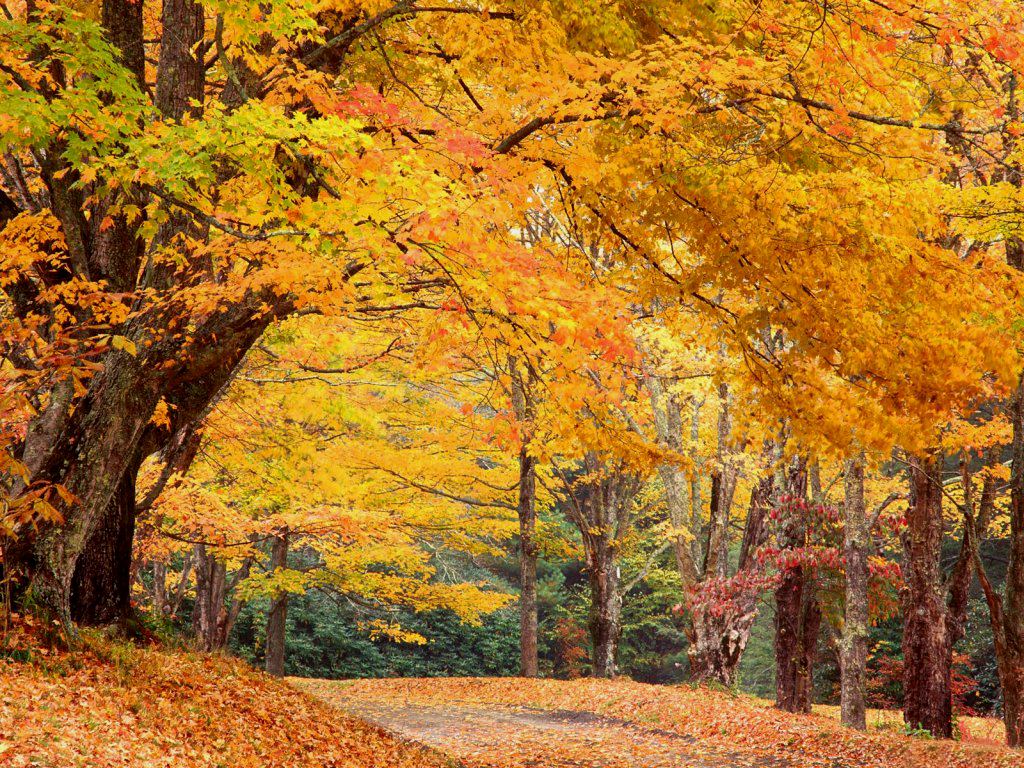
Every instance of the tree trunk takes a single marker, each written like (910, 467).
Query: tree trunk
(1011, 678)
(277, 619)
(927, 647)
(797, 613)
(605, 609)
(92, 459)
(797, 620)
(601, 508)
(1006, 612)
(527, 565)
(723, 487)
(853, 643)
(209, 573)
(212, 618)
(717, 642)
(1010, 651)
(160, 605)
(89, 448)
(101, 584)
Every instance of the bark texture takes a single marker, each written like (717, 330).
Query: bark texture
(927, 645)
(101, 584)
(718, 638)
(277, 618)
(853, 642)
(212, 616)
(605, 620)
(1006, 611)
(522, 377)
(528, 665)
(797, 612)
(601, 508)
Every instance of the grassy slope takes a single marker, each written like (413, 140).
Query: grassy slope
(117, 705)
(714, 718)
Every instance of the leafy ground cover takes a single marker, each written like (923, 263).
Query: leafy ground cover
(113, 704)
(721, 724)
(974, 730)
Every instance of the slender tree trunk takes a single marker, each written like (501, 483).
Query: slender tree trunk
(605, 608)
(527, 508)
(927, 647)
(160, 606)
(1006, 612)
(522, 377)
(797, 613)
(853, 643)
(1011, 665)
(723, 487)
(277, 619)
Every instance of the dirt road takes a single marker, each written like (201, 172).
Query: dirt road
(491, 735)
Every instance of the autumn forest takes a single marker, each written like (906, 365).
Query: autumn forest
(499, 382)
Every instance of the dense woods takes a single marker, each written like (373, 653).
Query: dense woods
(665, 339)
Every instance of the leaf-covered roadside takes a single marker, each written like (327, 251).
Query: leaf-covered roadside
(117, 705)
(719, 720)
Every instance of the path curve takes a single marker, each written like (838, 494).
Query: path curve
(477, 735)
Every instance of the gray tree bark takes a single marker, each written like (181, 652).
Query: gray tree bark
(853, 642)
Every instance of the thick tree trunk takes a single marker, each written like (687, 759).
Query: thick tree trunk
(717, 642)
(209, 605)
(92, 458)
(605, 609)
(1011, 678)
(527, 508)
(797, 621)
(181, 72)
(212, 617)
(101, 585)
(927, 646)
(277, 619)
(89, 449)
(853, 643)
